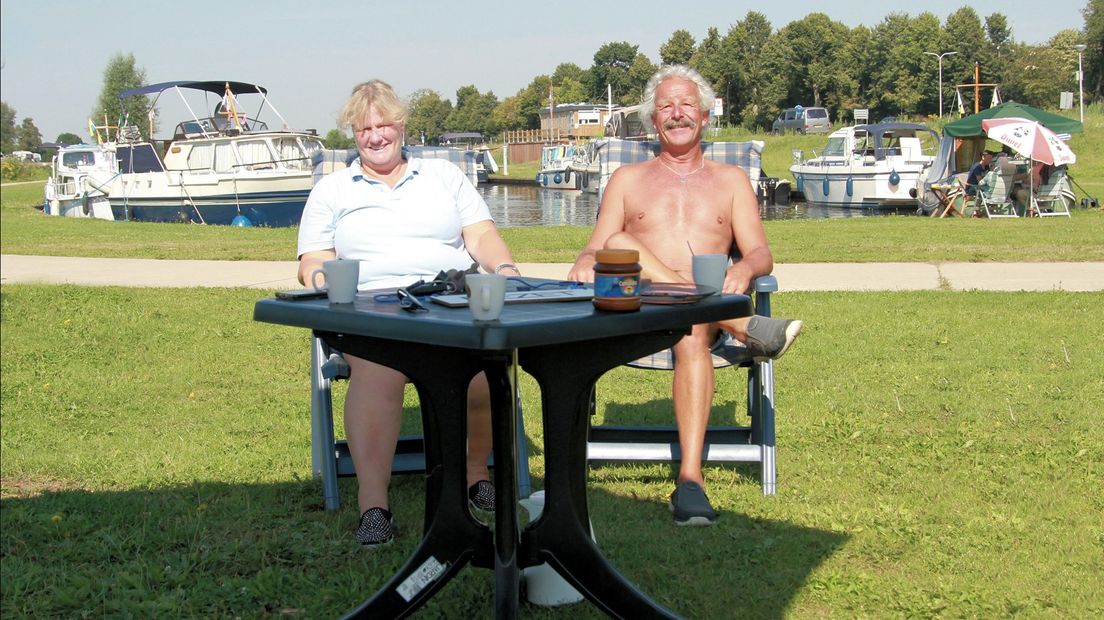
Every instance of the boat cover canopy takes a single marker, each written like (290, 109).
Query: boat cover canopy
(460, 135)
(217, 86)
(971, 125)
(884, 128)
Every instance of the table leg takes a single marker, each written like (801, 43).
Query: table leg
(561, 537)
(502, 377)
(452, 536)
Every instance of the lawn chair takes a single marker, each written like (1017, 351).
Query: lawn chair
(330, 457)
(994, 197)
(1054, 197)
(752, 443)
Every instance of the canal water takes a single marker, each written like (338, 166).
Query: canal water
(529, 205)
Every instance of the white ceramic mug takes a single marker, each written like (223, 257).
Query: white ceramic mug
(486, 295)
(342, 277)
(710, 270)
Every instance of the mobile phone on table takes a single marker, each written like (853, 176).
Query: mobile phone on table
(305, 293)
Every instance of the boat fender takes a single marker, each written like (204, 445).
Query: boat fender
(801, 184)
(825, 186)
(850, 187)
(894, 178)
(241, 221)
(557, 179)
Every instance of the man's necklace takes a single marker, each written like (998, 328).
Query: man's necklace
(682, 177)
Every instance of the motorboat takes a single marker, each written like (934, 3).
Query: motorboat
(555, 167)
(872, 166)
(227, 167)
(586, 165)
(78, 178)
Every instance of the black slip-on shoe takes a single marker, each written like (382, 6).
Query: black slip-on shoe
(481, 496)
(377, 528)
(690, 506)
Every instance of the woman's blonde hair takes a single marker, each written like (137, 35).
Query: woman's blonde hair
(365, 96)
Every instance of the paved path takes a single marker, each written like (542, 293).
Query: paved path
(791, 277)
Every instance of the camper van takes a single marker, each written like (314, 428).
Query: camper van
(802, 120)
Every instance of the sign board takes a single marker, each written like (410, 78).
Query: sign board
(718, 106)
(1065, 100)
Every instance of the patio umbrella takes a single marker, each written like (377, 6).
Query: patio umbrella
(1032, 140)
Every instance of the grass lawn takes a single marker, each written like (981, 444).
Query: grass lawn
(939, 456)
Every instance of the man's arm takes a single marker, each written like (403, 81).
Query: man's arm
(750, 238)
(611, 219)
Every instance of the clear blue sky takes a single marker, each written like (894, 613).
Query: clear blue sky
(309, 54)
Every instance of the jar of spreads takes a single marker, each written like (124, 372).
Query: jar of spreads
(617, 280)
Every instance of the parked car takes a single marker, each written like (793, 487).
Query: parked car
(802, 120)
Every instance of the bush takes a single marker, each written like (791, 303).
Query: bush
(14, 170)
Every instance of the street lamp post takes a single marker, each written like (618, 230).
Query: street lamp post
(940, 57)
(1080, 47)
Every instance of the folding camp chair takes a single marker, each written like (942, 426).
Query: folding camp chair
(754, 442)
(994, 197)
(330, 457)
(1054, 197)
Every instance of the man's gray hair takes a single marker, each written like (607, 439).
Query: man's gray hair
(648, 106)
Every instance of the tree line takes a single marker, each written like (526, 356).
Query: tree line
(814, 61)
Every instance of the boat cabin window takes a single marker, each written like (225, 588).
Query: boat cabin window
(255, 155)
(291, 153)
(224, 157)
(138, 158)
(201, 158)
(836, 147)
(80, 158)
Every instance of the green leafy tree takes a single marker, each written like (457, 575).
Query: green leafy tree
(742, 68)
(68, 138)
(427, 115)
(532, 99)
(611, 66)
(678, 49)
(569, 84)
(1092, 60)
(816, 42)
(28, 136)
(639, 73)
(123, 74)
(473, 111)
(7, 128)
(508, 114)
(338, 139)
(999, 35)
(964, 34)
(1039, 73)
(707, 59)
(897, 52)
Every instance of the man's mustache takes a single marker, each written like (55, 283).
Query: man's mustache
(683, 122)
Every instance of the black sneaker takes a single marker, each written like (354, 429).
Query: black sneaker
(690, 506)
(481, 496)
(769, 338)
(377, 528)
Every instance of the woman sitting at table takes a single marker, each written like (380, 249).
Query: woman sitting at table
(404, 220)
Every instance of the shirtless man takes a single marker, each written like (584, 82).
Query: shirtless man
(663, 208)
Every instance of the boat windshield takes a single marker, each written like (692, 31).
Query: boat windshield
(835, 147)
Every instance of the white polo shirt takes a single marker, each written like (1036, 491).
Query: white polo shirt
(400, 235)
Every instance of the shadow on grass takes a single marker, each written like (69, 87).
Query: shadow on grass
(248, 550)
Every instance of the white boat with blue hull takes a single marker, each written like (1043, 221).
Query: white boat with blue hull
(555, 168)
(225, 168)
(77, 176)
(868, 167)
